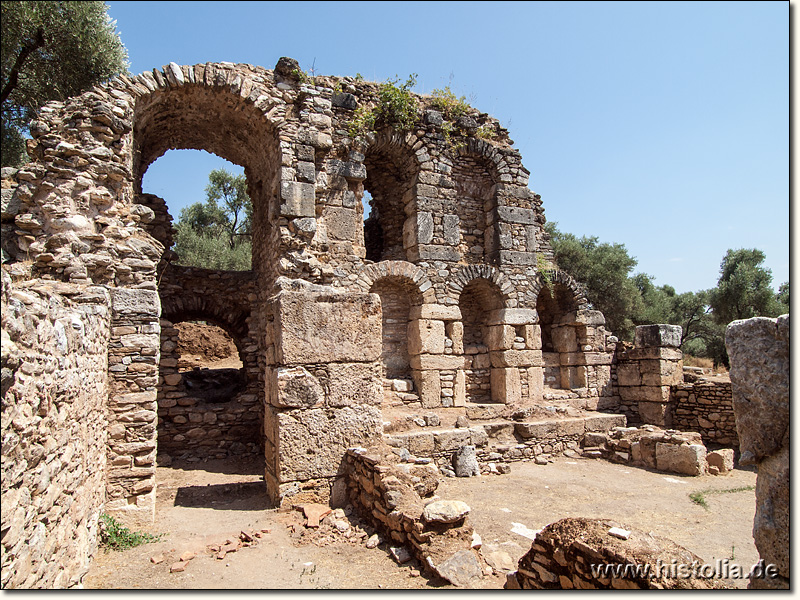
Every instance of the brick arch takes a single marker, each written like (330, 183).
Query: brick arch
(562, 279)
(472, 272)
(412, 275)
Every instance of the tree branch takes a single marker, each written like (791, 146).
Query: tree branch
(13, 78)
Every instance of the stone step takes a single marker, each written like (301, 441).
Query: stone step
(486, 412)
(502, 434)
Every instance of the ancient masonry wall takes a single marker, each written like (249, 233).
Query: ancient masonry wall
(54, 429)
(707, 408)
(188, 424)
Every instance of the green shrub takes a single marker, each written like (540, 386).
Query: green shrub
(210, 251)
(115, 536)
(447, 103)
(396, 107)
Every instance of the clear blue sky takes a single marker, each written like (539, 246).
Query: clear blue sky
(662, 126)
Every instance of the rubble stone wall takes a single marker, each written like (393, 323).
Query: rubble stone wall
(394, 498)
(54, 428)
(707, 408)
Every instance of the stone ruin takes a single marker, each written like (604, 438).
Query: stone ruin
(439, 322)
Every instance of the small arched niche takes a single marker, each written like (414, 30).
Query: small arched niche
(556, 306)
(477, 300)
(389, 190)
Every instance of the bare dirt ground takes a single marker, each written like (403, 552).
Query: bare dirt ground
(206, 346)
(208, 504)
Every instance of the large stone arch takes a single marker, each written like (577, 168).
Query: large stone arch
(402, 269)
(197, 108)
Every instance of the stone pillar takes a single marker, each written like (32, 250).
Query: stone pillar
(759, 353)
(646, 372)
(134, 352)
(324, 389)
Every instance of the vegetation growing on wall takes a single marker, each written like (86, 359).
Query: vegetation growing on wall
(396, 107)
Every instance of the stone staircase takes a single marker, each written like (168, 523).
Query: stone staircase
(500, 434)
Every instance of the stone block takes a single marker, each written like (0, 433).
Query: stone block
(449, 441)
(659, 394)
(628, 374)
(297, 199)
(127, 302)
(342, 223)
(658, 336)
(512, 214)
(721, 459)
(500, 337)
(451, 232)
(420, 444)
(294, 388)
(505, 385)
(535, 382)
(655, 413)
(354, 383)
(465, 463)
(549, 430)
(443, 253)
(460, 389)
(312, 442)
(759, 356)
(428, 362)
(425, 336)
(602, 422)
(455, 331)
(564, 339)
(516, 358)
(533, 337)
(429, 387)
(598, 358)
(315, 327)
(688, 459)
(435, 311)
(513, 316)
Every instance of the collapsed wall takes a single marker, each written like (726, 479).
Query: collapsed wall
(54, 430)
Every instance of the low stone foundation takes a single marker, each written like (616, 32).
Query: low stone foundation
(393, 498)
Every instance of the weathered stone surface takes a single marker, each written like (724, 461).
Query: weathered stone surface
(721, 459)
(328, 327)
(313, 441)
(465, 463)
(461, 569)
(354, 383)
(426, 336)
(759, 353)
(658, 336)
(296, 388)
(136, 303)
(445, 511)
(689, 459)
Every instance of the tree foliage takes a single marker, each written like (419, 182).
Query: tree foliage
(744, 288)
(605, 270)
(216, 234)
(743, 291)
(51, 51)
